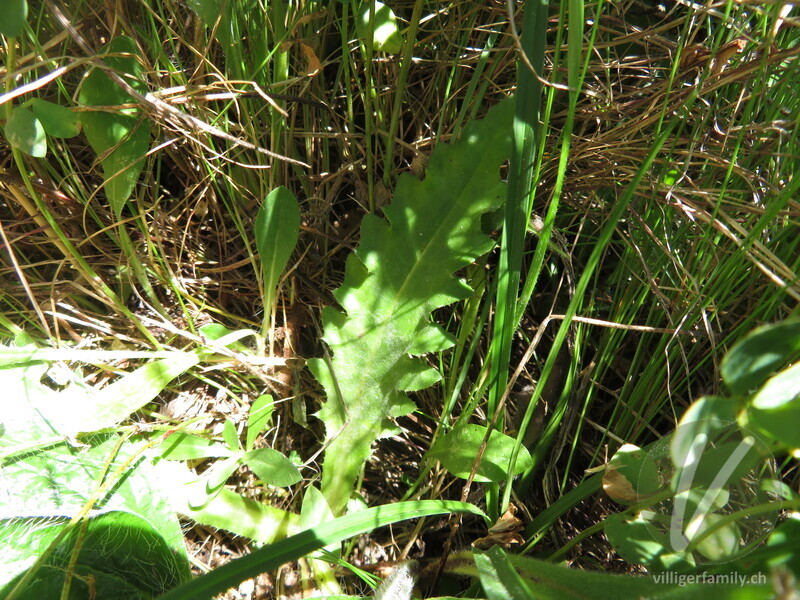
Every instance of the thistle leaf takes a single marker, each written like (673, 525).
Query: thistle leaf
(402, 270)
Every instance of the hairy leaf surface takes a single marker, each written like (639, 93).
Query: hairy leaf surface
(403, 269)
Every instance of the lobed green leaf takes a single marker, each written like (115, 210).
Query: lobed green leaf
(402, 270)
(272, 467)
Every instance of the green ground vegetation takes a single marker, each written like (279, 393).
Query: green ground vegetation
(278, 275)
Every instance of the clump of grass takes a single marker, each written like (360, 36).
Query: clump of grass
(704, 250)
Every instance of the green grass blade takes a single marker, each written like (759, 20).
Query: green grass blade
(408, 52)
(499, 579)
(518, 205)
(576, 73)
(580, 289)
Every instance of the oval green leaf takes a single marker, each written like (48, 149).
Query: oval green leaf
(752, 360)
(779, 391)
(722, 543)
(121, 138)
(722, 464)
(24, 131)
(780, 424)
(458, 449)
(272, 467)
(183, 446)
(277, 230)
(257, 420)
(231, 436)
(58, 121)
(385, 32)
(709, 416)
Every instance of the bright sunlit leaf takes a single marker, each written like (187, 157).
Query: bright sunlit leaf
(385, 32)
(458, 451)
